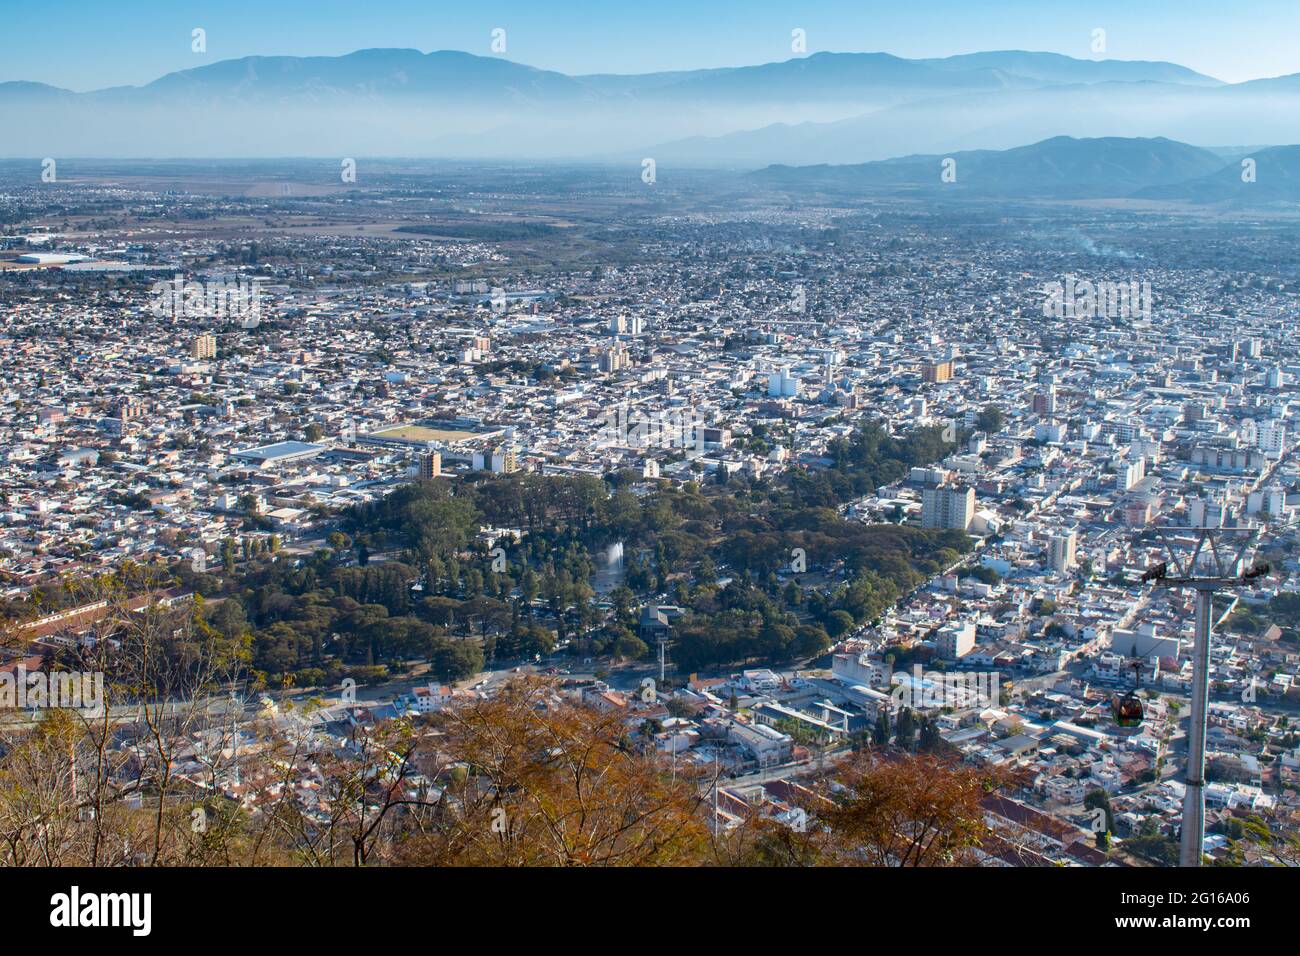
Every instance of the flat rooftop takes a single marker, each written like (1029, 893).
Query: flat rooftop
(280, 451)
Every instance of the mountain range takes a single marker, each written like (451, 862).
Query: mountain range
(1064, 168)
(844, 108)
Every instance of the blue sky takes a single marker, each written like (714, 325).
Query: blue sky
(89, 44)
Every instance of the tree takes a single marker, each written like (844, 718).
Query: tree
(66, 785)
(627, 646)
(555, 786)
(929, 741)
(1099, 800)
(456, 660)
(884, 810)
(905, 736)
(990, 419)
(810, 641)
(839, 623)
(880, 734)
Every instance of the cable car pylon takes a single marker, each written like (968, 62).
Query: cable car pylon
(1222, 573)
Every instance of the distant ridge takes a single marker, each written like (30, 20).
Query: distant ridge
(1062, 167)
(823, 74)
(824, 107)
(1276, 179)
(1057, 68)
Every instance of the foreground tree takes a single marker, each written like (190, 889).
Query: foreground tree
(914, 810)
(878, 808)
(528, 779)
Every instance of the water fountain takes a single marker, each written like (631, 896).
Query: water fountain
(610, 575)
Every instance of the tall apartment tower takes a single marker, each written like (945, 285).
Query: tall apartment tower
(948, 506)
(204, 346)
(615, 359)
(502, 460)
(1209, 512)
(1061, 550)
(781, 384)
(430, 465)
(1045, 402)
(936, 372)
(1271, 438)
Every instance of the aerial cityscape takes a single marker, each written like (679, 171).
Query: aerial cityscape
(842, 459)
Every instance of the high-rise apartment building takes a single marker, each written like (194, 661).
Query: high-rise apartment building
(936, 372)
(502, 460)
(1271, 438)
(430, 465)
(1045, 402)
(781, 384)
(1061, 551)
(204, 346)
(615, 359)
(948, 506)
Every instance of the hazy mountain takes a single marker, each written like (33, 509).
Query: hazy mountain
(827, 107)
(1272, 84)
(870, 76)
(444, 73)
(620, 83)
(20, 91)
(1061, 167)
(1055, 68)
(1276, 180)
(440, 76)
(1246, 113)
(858, 77)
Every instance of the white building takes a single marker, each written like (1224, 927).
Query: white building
(1271, 439)
(1061, 551)
(947, 506)
(781, 384)
(425, 700)
(955, 640)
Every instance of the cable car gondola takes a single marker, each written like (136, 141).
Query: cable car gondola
(1128, 708)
